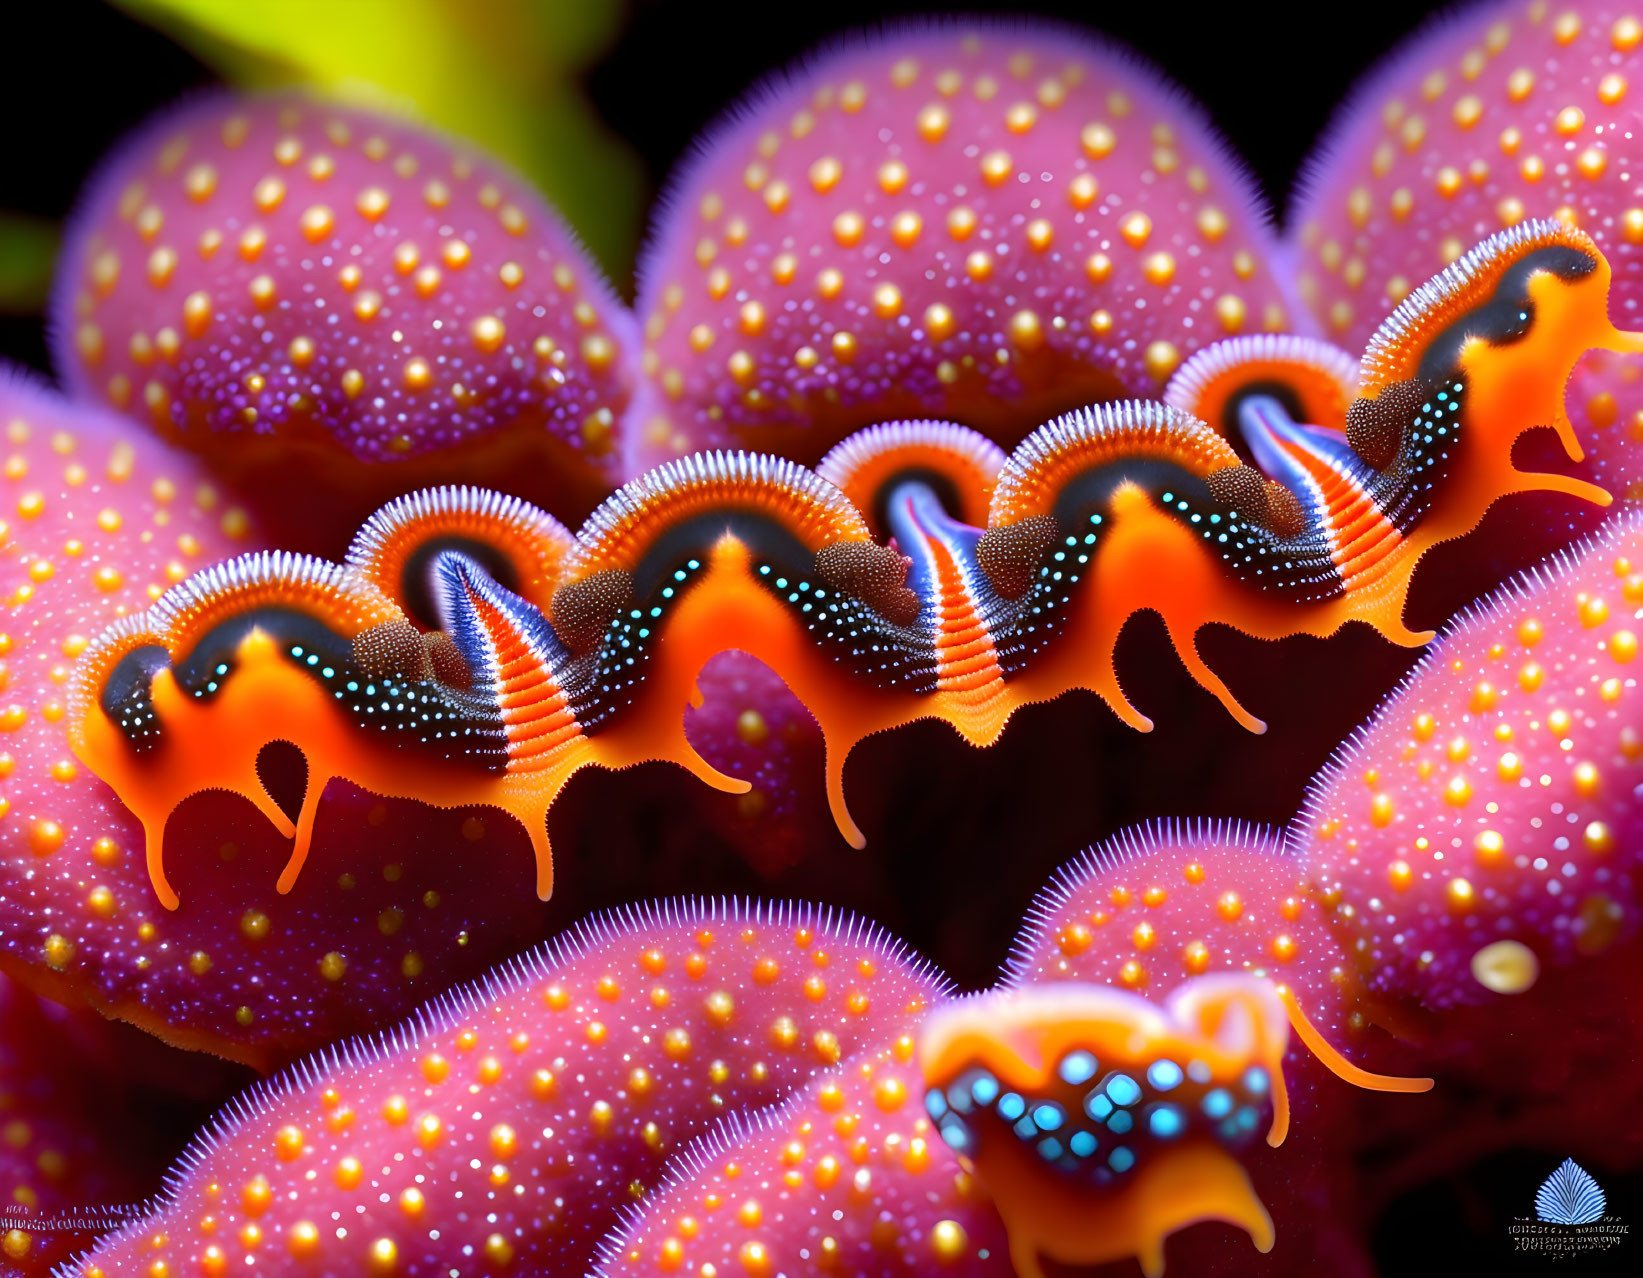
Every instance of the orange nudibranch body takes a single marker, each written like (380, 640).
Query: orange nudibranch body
(472, 650)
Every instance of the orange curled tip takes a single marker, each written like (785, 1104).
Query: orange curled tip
(1337, 1064)
(1100, 1122)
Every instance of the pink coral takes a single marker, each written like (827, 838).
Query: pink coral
(988, 225)
(301, 292)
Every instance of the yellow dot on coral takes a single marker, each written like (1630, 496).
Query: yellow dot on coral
(949, 1241)
(1026, 331)
(288, 1143)
(1162, 359)
(384, 1256)
(1136, 228)
(498, 1250)
(488, 333)
(303, 1239)
(1506, 967)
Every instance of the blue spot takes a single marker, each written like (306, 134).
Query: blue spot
(1256, 1081)
(1164, 1075)
(935, 1104)
(1218, 1104)
(984, 1090)
(1123, 1089)
(1083, 1144)
(1048, 1117)
(1025, 1129)
(1077, 1067)
(1166, 1122)
(1097, 1106)
(952, 1131)
(1011, 1107)
(1121, 1122)
(1121, 1159)
(1050, 1149)
(1247, 1118)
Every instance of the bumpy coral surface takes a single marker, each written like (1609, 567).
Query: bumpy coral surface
(1498, 114)
(303, 293)
(989, 226)
(100, 519)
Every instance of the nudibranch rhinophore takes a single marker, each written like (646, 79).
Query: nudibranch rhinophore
(1488, 821)
(504, 1128)
(991, 226)
(1500, 113)
(312, 295)
(472, 651)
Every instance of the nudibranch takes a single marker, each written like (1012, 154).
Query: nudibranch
(991, 1135)
(1099, 1122)
(1502, 113)
(990, 226)
(416, 670)
(308, 294)
(1057, 1123)
(1487, 821)
(503, 1128)
(99, 518)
